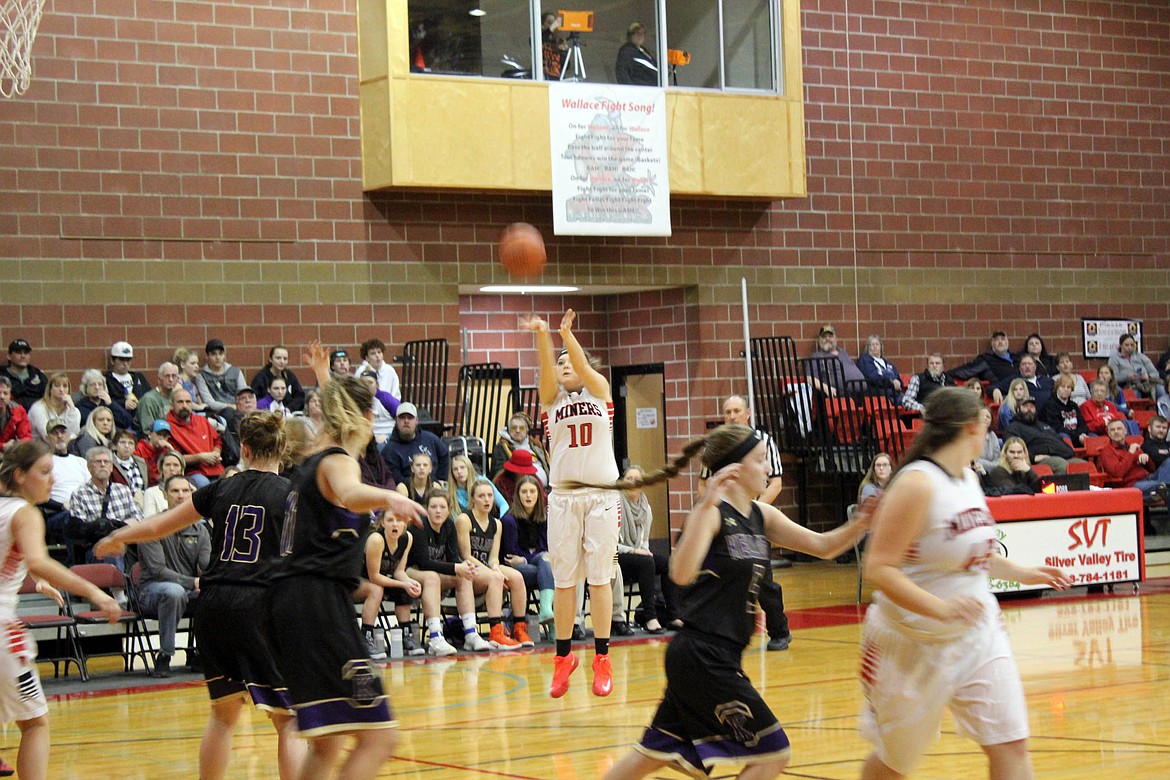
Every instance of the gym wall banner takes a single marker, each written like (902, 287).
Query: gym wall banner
(610, 174)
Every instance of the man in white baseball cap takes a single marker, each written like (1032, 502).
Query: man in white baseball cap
(125, 386)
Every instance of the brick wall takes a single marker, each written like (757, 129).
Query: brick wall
(181, 170)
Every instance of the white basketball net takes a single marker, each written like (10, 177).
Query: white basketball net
(18, 26)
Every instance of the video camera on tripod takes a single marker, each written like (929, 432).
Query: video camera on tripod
(574, 23)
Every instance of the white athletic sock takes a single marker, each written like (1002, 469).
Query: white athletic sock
(435, 626)
(468, 623)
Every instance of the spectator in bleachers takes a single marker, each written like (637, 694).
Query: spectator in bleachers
(1034, 346)
(156, 403)
(406, 440)
(194, 436)
(374, 469)
(1155, 444)
(879, 372)
(94, 394)
(129, 469)
(69, 473)
(922, 385)
(26, 380)
(98, 507)
(218, 382)
(877, 476)
(157, 441)
(1135, 468)
(277, 366)
(1113, 390)
(98, 432)
(524, 544)
(1099, 411)
(168, 464)
(374, 359)
(459, 481)
(188, 362)
(125, 386)
(989, 458)
(974, 385)
(385, 407)
(1064, 414)
(518, 435)
(1016, 392)
(479, 539)
(996, 365)
(57, 402)
(171, 568)
(1064, 367)
(1013, 473)
(638, 562)
(422, 478)
(520, 464)
(1164, 364)
(1134, 370)
(828, 349)
(312, 410)
(1043, 441)
(339, 363)
(276, 400)
(14, 425)
(1039, 385)
(1164, 401)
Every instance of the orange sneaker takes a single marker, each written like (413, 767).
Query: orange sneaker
(563, 666)
(500, 640)
(602, 676)
(520, 634)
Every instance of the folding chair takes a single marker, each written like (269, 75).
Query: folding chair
(66, 639)
(149, 623)
(108, 577)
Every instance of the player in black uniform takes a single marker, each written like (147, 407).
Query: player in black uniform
(336, 689)
(711, 714)
(398, 563)
(247, 514)
(442, 540)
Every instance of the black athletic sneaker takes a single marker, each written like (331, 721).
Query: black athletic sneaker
(780, 642)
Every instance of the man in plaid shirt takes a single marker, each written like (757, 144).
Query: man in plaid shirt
(99, 506)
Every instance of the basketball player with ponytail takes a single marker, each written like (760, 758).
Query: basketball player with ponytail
(247, 514)
(934, 637)
(577, 408)
(711, 715)
(335, 688)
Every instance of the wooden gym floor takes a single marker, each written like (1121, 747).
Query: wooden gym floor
(1096, 671)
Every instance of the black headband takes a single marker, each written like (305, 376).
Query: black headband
(738, 452)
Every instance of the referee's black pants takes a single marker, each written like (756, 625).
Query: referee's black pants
(771, 599)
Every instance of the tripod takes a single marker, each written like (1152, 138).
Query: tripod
(574, 62)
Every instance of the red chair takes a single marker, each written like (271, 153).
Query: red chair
(67, 649)
(1042, 469)
(1089, 375)
(1143, 416)
(1096, 478)
(1133, 401)
(109, 578)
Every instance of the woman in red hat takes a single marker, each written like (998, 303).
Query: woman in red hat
(518, 465)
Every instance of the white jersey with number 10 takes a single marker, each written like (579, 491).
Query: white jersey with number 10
(579, 430)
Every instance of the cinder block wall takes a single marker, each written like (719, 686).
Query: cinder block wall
(181, 170)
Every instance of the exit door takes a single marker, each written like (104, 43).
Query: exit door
(640, 432)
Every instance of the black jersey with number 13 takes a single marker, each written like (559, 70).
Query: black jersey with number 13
(247, 516)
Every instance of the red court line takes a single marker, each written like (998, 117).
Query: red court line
(461, 768)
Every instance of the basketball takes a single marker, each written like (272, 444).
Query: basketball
(522, 250)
